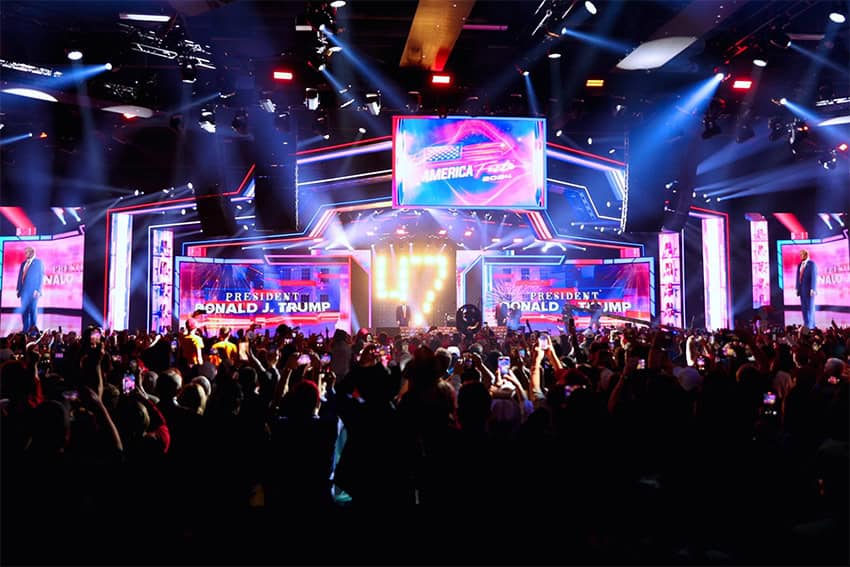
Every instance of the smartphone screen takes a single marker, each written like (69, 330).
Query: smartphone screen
(304, 359)
(769, 398)
(128, 383)
(326, 359)
(701, 363)
(522, 352)
(641, 364)
(543, 341)
(504, 365)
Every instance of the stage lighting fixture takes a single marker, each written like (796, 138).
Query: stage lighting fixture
(777, 128)
(780, 39)
(783, 101)
(589, 141)
(337, 3)
(590, 7)
(334, 49)
(595, 83)
(268, 105)
(74, 54)
(525, 72)
(710, 128)
(347, 102)
(373, 103)
(361, 130)
(554, 55)
(742, 84)
(798, 132)
(188, 73)
(284, 76)
(558, 132)
(760, 62)
(414, 102)
(240, 122)
(842, 147)
(837, 17)
(311, 98)
(828, 160)
(207, 120)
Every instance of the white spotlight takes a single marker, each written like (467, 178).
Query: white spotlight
(719, 76)
(783, 101)
(837, 17)
(760, 62)
(554, 55)
(190, 186)
(108, 66)
(75, 55)
(362, 130)
(337, 3)
(558, 132)
(590, 7)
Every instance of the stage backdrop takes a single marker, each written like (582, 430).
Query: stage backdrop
(469, 162)
(61, 302)
(832, 300)
(312, 295)
(540, 285)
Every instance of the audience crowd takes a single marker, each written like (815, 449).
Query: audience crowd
(627, 445)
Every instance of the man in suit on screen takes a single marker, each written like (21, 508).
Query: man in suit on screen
(30, 279)
(807, 278)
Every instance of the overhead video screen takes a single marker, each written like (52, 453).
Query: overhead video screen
(461, 162)
(313, 296)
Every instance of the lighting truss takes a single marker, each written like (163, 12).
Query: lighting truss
(150, 43)
(27, 68)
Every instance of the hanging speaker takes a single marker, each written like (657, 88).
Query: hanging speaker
(215, 213)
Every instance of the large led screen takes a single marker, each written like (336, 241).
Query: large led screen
(459, 162)
(60, 300)
(832, 259)
(537, 291)
(313, 296)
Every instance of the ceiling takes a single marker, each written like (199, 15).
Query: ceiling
(484, 44)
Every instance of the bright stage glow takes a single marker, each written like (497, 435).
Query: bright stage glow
(554, 55)
(595, 83)
(760, 62)
(590, 7)
(783, 101)
(654, 54)
(31, 93)
(75, 55)
(337, 3)
(441, 79)
(837, 17)
(283, 75)
(742, 84)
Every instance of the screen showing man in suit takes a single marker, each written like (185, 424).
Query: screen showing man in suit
(30, 280)
(42, 282)
(807, 277)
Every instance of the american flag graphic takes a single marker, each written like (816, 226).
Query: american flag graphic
(476, 152)
(442, 153)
